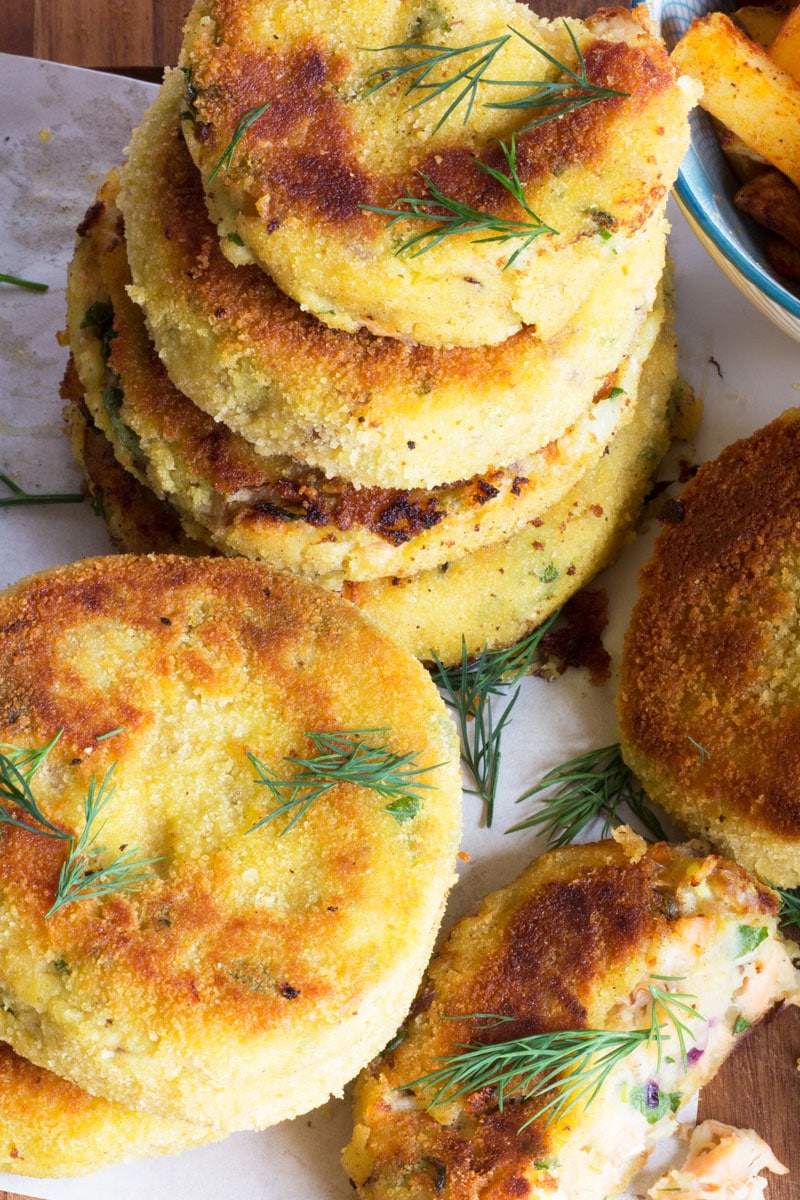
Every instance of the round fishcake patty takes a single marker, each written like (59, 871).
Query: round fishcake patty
(303, 117)
(278, 509)
(49, 1127)
(374, 411)
(709, 701)
(490, 598)
(257, 963)
(577, 943)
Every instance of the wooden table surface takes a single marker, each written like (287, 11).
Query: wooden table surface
(760, 1086)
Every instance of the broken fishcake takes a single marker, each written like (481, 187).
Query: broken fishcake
(561, 1027)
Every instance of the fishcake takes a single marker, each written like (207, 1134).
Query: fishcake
(708, 703)
(489, 598)
(590, 937)
(49, 1127)
(279, 510)
(260, 962)
(342, 133)
(375, 411)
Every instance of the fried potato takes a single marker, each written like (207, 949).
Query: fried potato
(744, 89)
(785, 48)
(774, 202)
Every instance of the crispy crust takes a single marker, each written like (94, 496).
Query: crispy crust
(710, 657)
(566, 946)
(375, 411)
(49, 1127)
(279, 510)
(252, 975)
(329, 144)
(493, 597)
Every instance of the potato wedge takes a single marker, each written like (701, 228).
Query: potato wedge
(744, 89)
(761, 23)
(785, 49)
(774, 202)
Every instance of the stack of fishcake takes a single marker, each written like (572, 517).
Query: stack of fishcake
(302, 380)
(165, 944)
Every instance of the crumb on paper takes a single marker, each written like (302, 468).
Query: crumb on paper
(45, 135)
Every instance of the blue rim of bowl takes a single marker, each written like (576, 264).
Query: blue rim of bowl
(716, 231)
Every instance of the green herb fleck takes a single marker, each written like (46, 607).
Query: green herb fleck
(748, 937)
(742, 1024)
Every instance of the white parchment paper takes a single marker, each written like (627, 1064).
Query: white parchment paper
(61, 128)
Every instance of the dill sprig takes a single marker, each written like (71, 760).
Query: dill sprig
(17, 768)
(82, 877)
(591, 785)
(29, 284)
(470, 689)
(343, 757)
(559, 96)
(568, 1066)
(243, 124)
(790, 906)
(472, 74)
(19, 496)
(451, 217)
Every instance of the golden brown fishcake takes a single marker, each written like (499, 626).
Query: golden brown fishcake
(375, 411)
(291, 193)
(708, 704)
(253, 973)
(494, 596)
(279, 510)
(49, 1127)
(574, 943)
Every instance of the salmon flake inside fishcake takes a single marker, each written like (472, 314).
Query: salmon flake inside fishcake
(595, 942)
(708, 707)
(305, 118)
(262, 957)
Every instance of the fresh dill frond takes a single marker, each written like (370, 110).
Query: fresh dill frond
(569, 1066)
(470, 689)
(591, 785)
(19, 496)
(82, 877)
(243, 124)
(451, 217)
(29, 284)
(558, 97)
(471, 75)
(17, 768)
(344, 757)
(790, 906)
